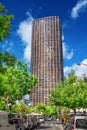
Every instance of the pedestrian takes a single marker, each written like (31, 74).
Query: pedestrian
(64, 121)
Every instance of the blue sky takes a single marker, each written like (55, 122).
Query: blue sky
(73, 16)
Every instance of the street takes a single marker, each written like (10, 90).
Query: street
(50, 125)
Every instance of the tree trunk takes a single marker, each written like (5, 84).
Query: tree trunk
(74, 109)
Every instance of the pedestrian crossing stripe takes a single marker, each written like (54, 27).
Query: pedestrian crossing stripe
(51, 124)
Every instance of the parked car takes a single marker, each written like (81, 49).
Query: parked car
(41, 120)
(78, 122)
(49, 118)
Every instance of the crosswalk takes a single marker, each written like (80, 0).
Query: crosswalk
(50, 125)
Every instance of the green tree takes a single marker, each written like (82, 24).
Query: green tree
(16, 82)
(4, 22)
(2, 105)
(20, 108)
(46, 110)
(51, 111)
(6, 59)
(72, 93)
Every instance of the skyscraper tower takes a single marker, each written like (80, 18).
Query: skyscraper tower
(46, 57)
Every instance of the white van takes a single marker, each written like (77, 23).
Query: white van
(77, 123)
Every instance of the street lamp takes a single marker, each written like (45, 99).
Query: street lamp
(81, 64)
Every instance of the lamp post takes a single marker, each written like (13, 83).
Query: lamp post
(82, 64)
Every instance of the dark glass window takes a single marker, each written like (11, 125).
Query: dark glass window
(81, 123)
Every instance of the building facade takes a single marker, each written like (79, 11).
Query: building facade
(46, 57)
(83, 77)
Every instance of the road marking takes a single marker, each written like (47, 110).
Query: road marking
(51, 125)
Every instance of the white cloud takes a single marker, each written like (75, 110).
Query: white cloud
(79, 8)
(79, 70)
(66, 70)
(6, 47)
(82, 69)
(24, 31)
(62, 37)
(66, 54)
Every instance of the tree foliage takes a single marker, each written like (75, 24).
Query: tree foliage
(46, 110)
(16, 82)
(20, 108)
(4, 22)
(3, 105)
(72, 93)
(6, 59)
